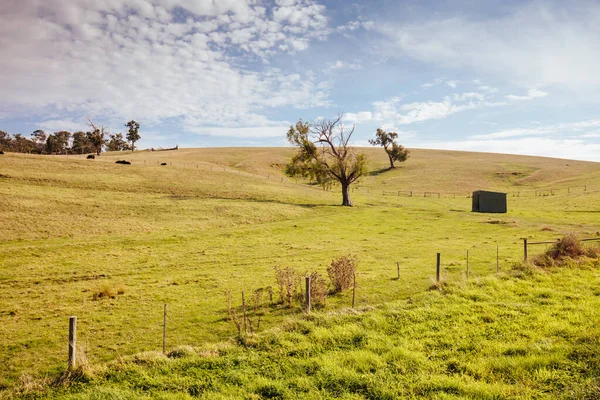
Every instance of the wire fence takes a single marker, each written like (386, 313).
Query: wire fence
(360, 188)
(406, 277)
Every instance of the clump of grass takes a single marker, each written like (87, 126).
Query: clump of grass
(341, 272)
(564, 251)
(182, 351)
(108, 291)
(441, 285)
(523, 270)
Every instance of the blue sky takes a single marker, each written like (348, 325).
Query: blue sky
(512, 77)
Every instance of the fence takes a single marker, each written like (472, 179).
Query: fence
(540, 192)
(524, 193)
(526, 244)
(495, 258)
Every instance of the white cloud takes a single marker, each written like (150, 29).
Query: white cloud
(560, 129)
(487, 88)
(536, 45)
(339, 65)
(590, 135)
(534, 146)
(363, 116)
(56, 125)
(435, 82)
(513, 133)
(139, 59)
(245, 132)
(354, 25)
(531, 94)
(418, 112)
(394, 111)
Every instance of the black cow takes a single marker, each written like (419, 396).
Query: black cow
(1, 152)
(164, 163)
(122, 162)
(91, 157)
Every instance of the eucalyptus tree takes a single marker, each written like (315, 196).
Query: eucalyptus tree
(395, 151)
(325, 154)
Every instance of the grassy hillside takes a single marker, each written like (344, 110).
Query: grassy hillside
(531, 335)
(217, 220)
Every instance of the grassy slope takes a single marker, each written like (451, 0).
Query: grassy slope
(493, 338)
(208, 222)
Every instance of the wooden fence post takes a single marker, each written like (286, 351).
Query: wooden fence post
(437, 269)
(524, 249)
(72, 342)
(165, 329)
(244, 310)
(353, 288)
(497, 260)
(308, 299)
(398, 269)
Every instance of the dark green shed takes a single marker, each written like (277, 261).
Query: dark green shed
(489, 202)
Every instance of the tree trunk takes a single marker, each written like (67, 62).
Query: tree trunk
(391, 161)
(346, 195)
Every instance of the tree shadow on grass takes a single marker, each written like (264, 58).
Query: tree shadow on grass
(379, 171)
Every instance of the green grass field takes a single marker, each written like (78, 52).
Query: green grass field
(214, 220)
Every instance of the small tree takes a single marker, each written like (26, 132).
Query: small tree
(38, 137)
(133, 135)
(22, 145)
(81, 143)
(325, 155)
(4, 140)
(97, 136)
(395, 151)
(116, 143)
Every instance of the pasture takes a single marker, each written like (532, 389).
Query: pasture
(218, 220)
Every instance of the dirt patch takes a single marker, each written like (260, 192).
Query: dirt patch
(496, 222)
(509, 174)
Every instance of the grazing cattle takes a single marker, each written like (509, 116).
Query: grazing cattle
(1, 152)
(122, 162)
(91, 157)
(164, 163)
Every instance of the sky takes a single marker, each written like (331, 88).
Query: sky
(510, 77)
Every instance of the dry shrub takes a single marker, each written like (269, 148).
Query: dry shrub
(318, 289)
(566, 249)
(341, 272)
(287, 279)
(108, 291)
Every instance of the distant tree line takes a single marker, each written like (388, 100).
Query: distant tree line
(95, 140)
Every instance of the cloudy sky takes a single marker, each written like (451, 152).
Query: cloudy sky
(512, 76)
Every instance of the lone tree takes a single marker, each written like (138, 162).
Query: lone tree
(324, 154)
(395, 151)
(133, 135)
